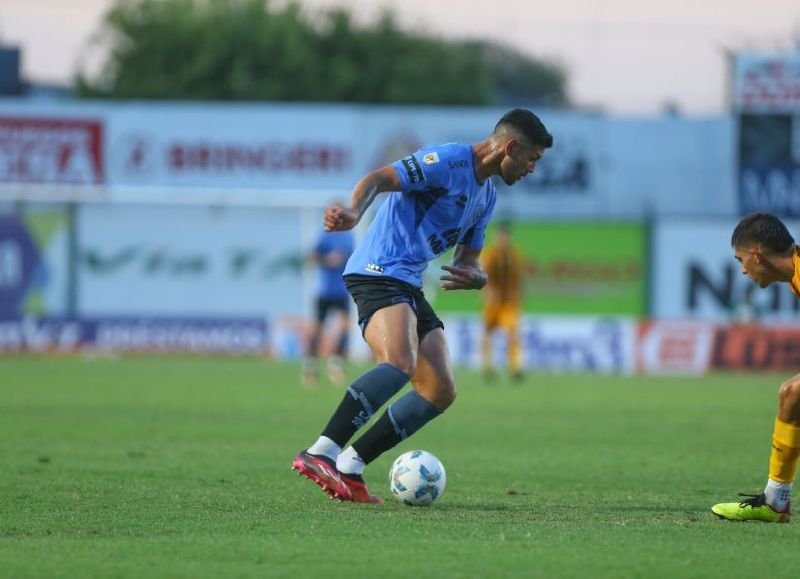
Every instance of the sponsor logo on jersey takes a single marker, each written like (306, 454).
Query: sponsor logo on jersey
(374, 268)
(431, 158)
(458, 164)
(413, 169)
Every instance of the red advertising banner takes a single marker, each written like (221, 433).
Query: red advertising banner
(47, 150)
(756, 348)
(674, 346)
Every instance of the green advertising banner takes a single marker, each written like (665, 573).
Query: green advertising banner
(570, 268)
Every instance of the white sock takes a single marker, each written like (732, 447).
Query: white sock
(325, 447)
(778, 494)
(349, 462)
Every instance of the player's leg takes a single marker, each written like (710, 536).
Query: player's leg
(391, 334)
(785, 446)
(434, 380)
(489, 327)
(392, 337)
(773, 505)
(510, 322)
(310, 365)
(336, 362)
(434, 391)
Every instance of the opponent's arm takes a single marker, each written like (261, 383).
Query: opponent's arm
(466, 271)
(340, 218)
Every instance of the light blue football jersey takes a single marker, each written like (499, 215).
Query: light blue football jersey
(441, 204)
(331, 285)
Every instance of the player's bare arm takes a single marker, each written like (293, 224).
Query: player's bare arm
(340, 218)
(465, 273)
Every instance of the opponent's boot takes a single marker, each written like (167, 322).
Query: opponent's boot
(753, 508)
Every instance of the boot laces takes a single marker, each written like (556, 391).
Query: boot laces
(753, 501)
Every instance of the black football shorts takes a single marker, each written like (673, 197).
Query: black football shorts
(372, 293)
(325, 306)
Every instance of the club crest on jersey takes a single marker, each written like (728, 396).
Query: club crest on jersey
(413, 169)
(431, 158)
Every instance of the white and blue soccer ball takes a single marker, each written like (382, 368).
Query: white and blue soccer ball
(417, 478)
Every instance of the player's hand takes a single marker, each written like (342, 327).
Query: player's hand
(463, 278)
(339, 218)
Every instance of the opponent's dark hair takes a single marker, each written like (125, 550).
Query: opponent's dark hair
(529, 125)
(764, 228)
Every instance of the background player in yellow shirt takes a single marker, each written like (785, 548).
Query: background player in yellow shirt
(768, 254)
(503, 264)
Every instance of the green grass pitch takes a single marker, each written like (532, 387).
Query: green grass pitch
(175, 467)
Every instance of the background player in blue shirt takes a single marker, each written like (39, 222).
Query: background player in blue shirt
(331, 253)
(441, 197)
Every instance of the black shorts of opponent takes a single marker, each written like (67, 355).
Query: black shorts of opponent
(372, 293)
(324, 306)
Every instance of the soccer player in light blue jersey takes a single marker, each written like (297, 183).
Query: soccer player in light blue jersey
(440, 197)
(331, 252)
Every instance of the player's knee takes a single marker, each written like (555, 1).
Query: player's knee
(405, 361)
(789, 392)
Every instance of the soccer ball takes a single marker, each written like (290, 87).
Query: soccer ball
(417, 478)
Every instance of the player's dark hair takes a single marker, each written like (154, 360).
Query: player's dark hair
(529, 125)
(765, 229)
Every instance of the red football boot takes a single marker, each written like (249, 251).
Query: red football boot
(322, 471)
(358, 489)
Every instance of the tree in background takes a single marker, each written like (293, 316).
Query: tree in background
(249, 50)
(517, 79)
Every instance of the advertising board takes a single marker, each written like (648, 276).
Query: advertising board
(49, 149)
(186, 261)
(33, 262)
(695, 275)
(552, 344)
(308, 154)
(134, 335)
(766, 82)
(572, 268)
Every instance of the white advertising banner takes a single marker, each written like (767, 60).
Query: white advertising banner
(695, 275)
(190, 262)
(767, 83)
(242, 146)
(551, 343)
(674, 347)
(291, 154)
(598, 166)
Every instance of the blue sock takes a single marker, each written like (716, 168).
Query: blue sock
(364, 397)
(402, 419)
